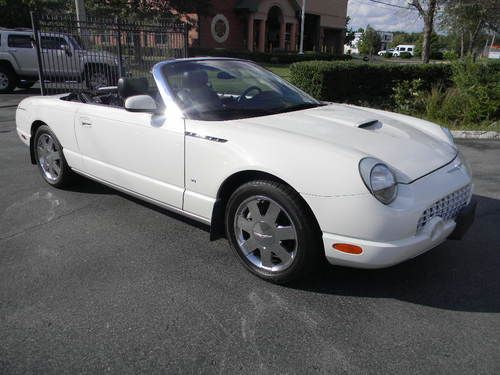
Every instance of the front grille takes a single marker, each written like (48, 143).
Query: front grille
(446, 208)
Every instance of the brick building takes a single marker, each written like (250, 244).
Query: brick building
(271, 25)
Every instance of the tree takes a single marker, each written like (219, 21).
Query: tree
(147, 9)
(437, 44)
(369, 42)
(349, 32)
(16, 13)
(401, 37)
(427, 10)
(471, 22)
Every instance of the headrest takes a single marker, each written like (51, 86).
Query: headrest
(132, 86)
(194, 79)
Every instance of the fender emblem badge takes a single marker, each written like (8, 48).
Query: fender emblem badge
(206, 137)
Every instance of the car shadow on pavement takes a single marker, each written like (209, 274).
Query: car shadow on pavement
(86, 185)
(458, 275)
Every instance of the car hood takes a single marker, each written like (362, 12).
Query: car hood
(412, 147)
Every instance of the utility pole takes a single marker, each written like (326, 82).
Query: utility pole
(81, 16)
(81, 20)
(301, 49)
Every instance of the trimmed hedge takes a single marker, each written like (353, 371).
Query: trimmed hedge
(363, 83)
(275, 58)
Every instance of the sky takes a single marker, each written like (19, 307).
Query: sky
(383, 17)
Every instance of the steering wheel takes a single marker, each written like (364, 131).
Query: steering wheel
(242, 97)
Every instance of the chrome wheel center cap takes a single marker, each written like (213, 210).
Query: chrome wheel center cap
(263, 233)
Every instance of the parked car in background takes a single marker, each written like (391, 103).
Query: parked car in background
(385, 52)
(63, 58)
(289, 180)
(404, 48)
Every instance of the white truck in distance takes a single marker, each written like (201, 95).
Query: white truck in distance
(410, 48)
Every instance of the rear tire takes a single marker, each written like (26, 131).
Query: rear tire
(272, 231)
(8, 79)
(25, 84)
(50, 159)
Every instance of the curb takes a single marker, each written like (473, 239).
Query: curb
(475, 134)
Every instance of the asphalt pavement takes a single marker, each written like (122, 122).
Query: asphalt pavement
(93, 281)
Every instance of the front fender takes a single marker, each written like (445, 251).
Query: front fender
(309, 165)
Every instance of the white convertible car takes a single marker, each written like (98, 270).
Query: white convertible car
(287, 179)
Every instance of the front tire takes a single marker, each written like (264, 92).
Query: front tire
(8, 80)
(272, 231)
(50, 159)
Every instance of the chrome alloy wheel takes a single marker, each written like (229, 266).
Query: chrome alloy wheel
(4, 81)
(49, 157)
(265, 234)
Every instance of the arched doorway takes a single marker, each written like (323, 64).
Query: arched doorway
(274, 23)
(272, 26)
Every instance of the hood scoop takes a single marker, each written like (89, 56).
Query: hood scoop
(378, 126)
(371, 125)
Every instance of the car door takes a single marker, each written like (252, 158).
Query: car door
(139, 152)
(21, 48)
(59, 58)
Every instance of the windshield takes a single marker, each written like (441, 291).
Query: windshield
(74, 43)
(231, 89)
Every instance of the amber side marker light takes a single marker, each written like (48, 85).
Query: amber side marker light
(346, 248)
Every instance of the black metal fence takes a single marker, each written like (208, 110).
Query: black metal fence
(84, 56)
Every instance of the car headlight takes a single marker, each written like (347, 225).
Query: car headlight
(448, 134)
(379, 179)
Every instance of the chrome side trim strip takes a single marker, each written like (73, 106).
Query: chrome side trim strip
(145, 198)
(207, 137)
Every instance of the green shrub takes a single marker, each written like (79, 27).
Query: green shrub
(274, 58)
(476, 93)
(473, 99)
(363, 83)
(434, 102)
(437, 55)
(387, 55)
(405, 55)
(409, 97)
(450, 55)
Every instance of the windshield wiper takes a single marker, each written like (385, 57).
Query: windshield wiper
(232, 113)
(298, 107)
(243, 111)
(236, 110)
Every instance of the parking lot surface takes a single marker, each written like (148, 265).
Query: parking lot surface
(94, 281)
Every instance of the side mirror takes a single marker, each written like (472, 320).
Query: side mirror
(141, 103)
(66, 50)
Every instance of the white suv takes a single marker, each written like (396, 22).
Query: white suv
(62, 56)
(408, 48)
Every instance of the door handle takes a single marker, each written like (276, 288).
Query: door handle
(85, 122)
